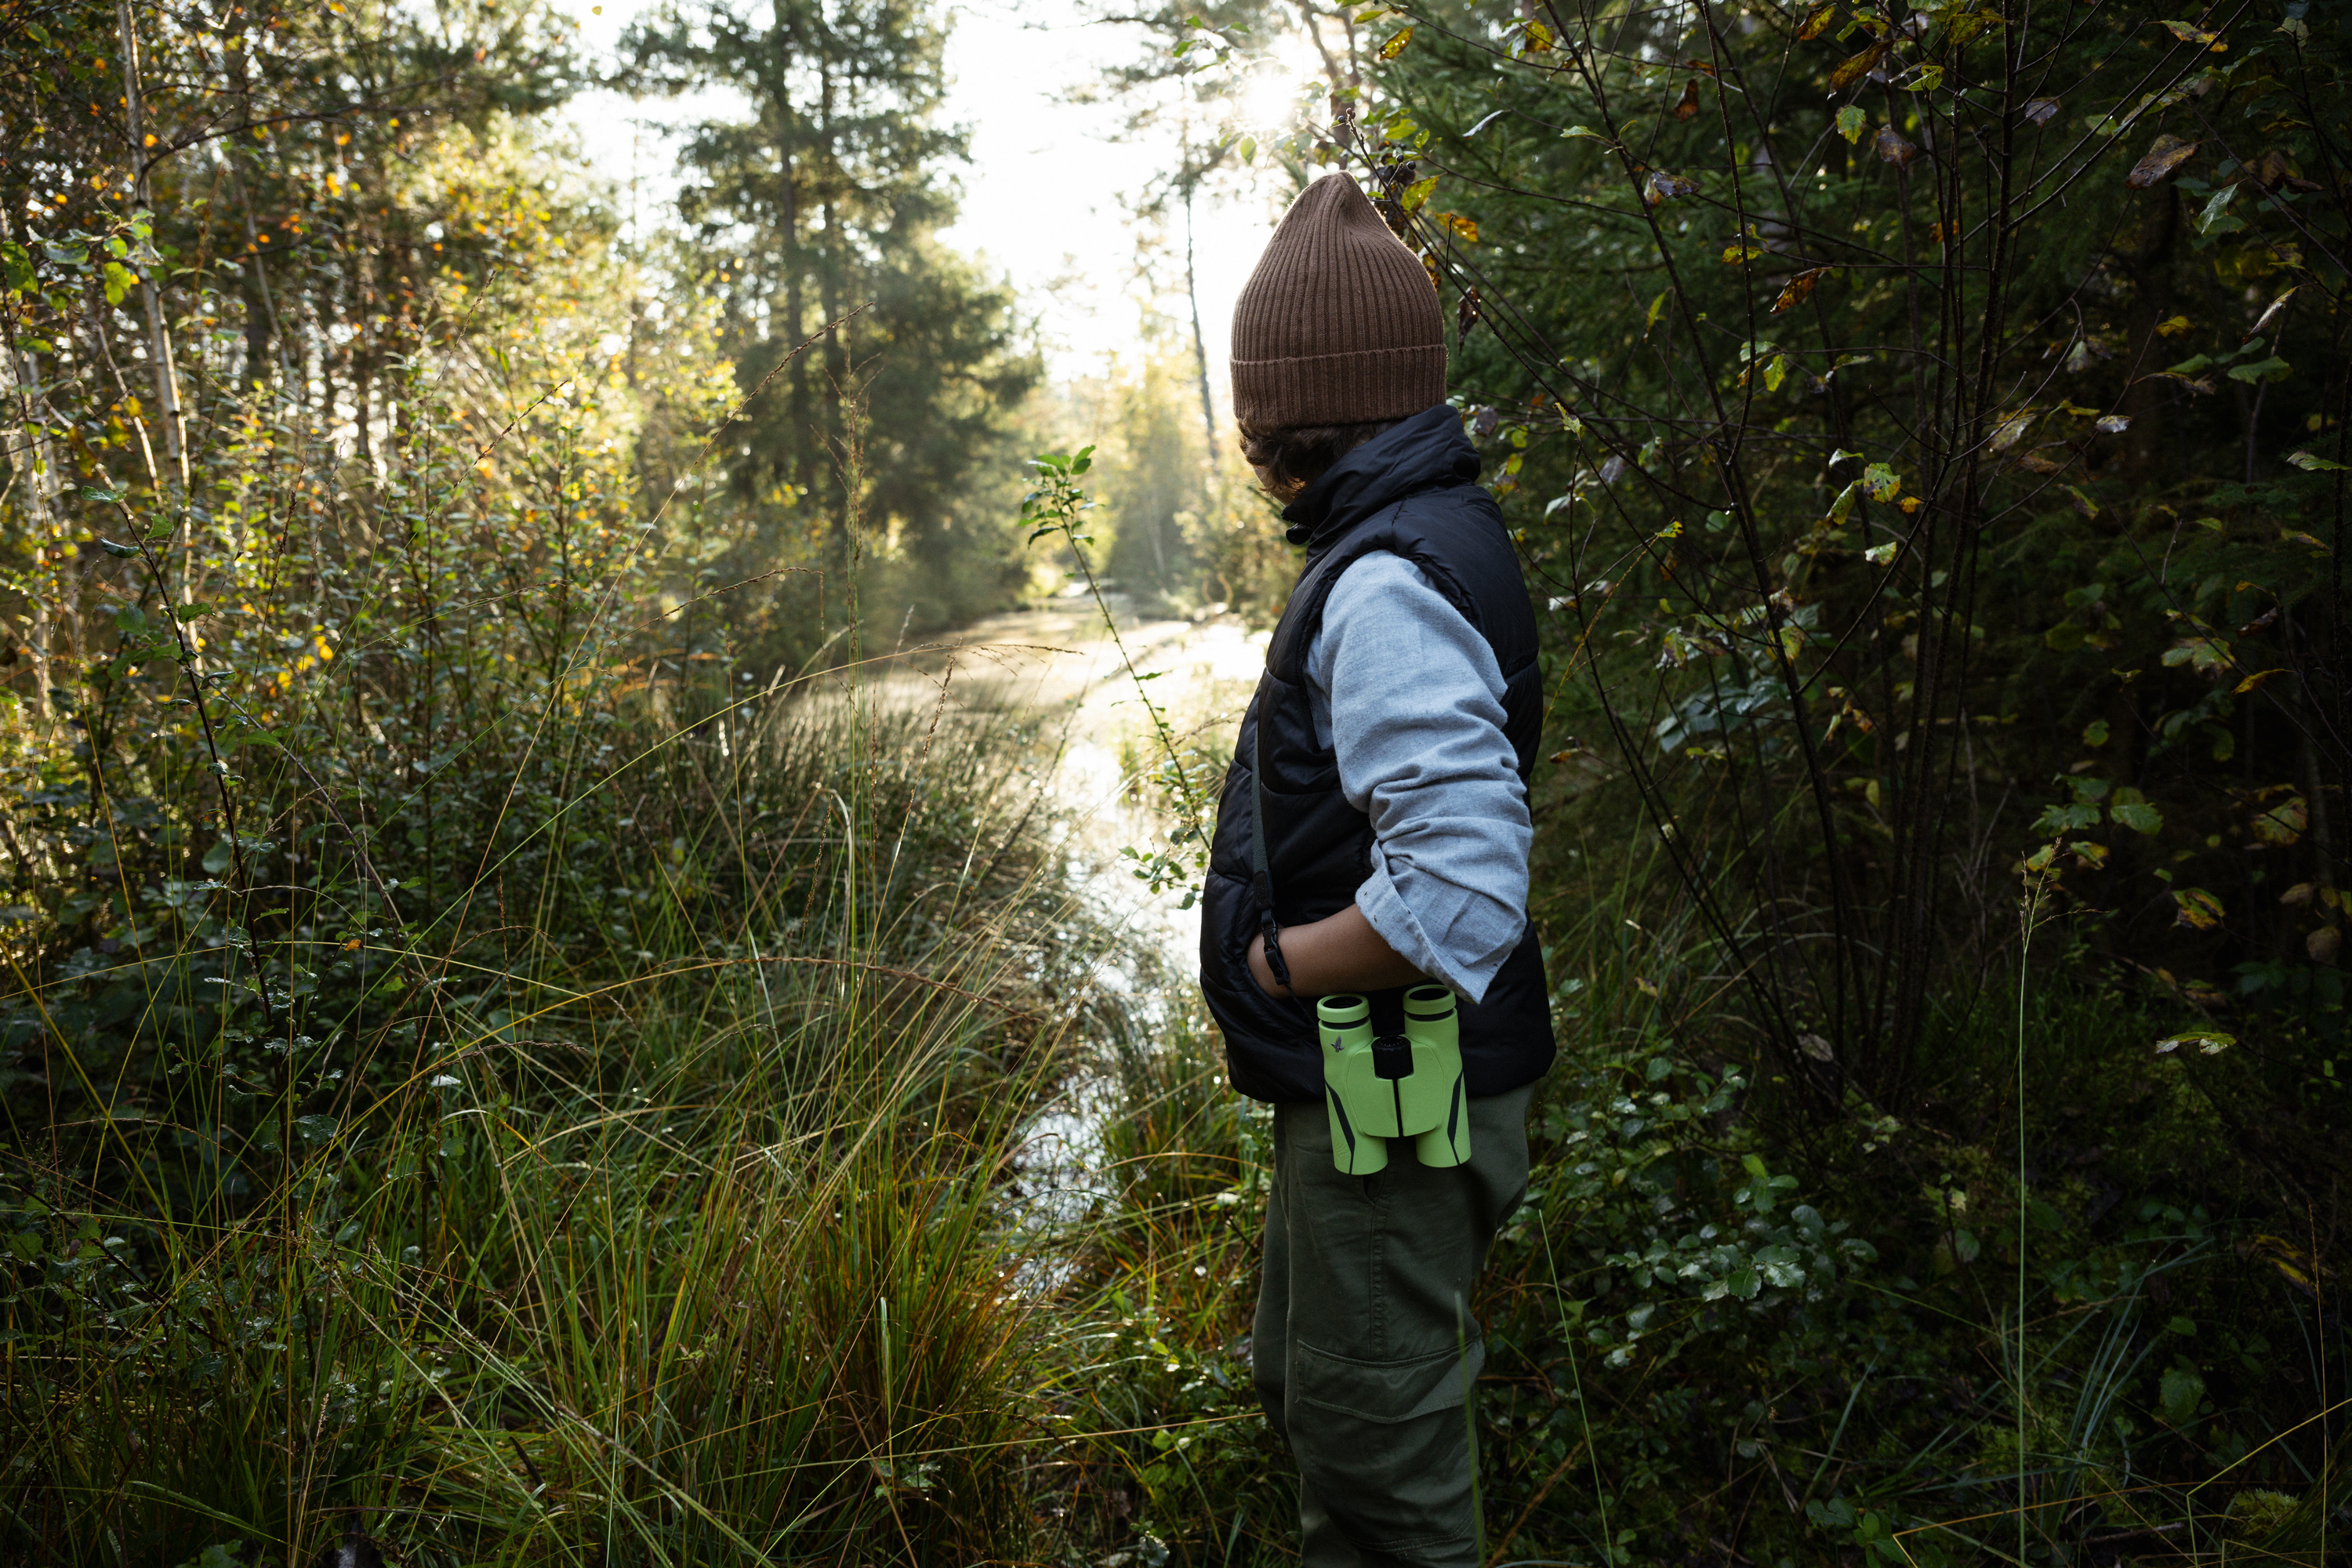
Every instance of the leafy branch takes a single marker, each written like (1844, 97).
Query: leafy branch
(1056, 506)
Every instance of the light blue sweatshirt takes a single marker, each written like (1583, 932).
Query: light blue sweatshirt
(1409, 696)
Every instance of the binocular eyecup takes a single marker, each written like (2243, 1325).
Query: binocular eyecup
(1393, 1085)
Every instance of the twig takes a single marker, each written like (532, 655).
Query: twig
(1055, 507)
(147, 552)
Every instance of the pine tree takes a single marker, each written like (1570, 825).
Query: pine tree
(821, 206)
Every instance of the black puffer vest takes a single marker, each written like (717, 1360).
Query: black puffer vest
(1409, 492)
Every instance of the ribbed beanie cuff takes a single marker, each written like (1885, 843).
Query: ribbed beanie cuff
(1339, 323)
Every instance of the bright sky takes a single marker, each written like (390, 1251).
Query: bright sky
(1042, 194)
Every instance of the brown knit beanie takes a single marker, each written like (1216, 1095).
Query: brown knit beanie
(1339, 324)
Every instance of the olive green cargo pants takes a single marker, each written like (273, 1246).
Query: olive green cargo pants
(1364, 1351)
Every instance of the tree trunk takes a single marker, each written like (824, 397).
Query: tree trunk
(1199, 344)
(35, 471)
(788, 209)
(159, 337)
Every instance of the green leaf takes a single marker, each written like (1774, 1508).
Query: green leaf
(2313, 465)
(2131, 809)
(1955, 1250)
(219, 858)
(2065, 637)
(120, 280)
(1852, 122)
(1588, 134)
(1417, 194)
(2180, 1392)
(119, 552)
(2213, 209)
(2271, 369)
(2199, 653)
(2059, 819)
(2095, 733)
(1881, 481)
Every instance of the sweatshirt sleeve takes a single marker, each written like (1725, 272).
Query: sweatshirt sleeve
(1414, 700)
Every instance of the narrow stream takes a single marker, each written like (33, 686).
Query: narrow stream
(1060, 664)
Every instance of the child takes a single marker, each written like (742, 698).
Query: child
(1373, 834)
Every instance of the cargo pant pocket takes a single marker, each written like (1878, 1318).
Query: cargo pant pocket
(1386, 1446)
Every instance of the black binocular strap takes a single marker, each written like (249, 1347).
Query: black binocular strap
(1261, 876)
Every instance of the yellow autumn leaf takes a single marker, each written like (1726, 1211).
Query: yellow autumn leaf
(1854, 69)
(2191, 35)
(1798, 290)
(2196, 909)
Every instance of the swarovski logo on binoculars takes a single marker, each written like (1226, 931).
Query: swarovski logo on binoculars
(1394, 1086)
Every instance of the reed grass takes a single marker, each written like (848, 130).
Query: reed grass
(703, 1262)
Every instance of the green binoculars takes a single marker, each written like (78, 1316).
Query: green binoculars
(1399, 1086)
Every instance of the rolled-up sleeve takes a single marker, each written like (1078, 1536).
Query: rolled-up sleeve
(1411, 699)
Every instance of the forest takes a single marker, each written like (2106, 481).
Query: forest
(551, 971)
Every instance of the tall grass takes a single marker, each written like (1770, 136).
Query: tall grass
(684, 1260)
(487, 1071)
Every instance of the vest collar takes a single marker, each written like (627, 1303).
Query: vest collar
(1426, 451)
